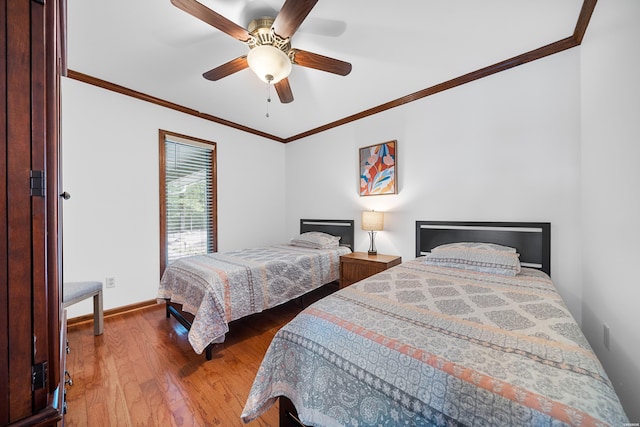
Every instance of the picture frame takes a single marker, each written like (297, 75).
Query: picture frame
(378, 169)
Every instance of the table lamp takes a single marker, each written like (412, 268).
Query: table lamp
(372, 221)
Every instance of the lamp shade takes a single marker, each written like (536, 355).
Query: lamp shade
(269, 63)
(372, 220)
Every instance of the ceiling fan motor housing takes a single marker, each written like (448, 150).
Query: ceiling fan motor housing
(262, 34)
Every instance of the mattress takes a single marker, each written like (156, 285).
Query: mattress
(422, 345)
(221, 287)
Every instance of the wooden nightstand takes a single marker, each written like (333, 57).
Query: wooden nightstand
(360, 265)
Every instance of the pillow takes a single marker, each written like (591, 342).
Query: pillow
(315, 240)
(480, 257)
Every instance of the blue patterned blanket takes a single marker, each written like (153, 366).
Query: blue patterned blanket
(419, 345)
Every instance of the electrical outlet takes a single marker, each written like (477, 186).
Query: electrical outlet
(111, 282)
(606, 336)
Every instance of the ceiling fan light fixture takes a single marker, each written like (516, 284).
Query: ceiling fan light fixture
(269, 63)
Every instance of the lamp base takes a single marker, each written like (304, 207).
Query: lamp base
(372, 245)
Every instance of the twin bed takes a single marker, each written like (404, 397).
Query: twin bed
(206, 292)
(470, 333)
(462, 336)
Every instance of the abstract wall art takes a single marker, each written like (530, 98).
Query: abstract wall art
(378, 169)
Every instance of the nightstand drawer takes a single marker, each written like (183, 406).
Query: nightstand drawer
(360, 265)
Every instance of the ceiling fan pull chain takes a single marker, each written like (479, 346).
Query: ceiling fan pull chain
(268, 93)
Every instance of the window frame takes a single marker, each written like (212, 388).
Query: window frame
(165, 135)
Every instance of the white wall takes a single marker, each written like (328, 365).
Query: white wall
(504, 148)
(110, 168)
(610, 67)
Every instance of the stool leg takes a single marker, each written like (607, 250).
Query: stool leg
(98, 315)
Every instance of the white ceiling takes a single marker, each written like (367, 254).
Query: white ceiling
(396, 48)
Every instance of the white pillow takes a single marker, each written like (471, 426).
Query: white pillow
(315, 240)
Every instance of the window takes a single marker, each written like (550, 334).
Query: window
(188, 224)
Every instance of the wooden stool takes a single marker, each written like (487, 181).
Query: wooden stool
(74, 292)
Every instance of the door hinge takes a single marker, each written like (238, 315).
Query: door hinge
(38, 183)
(39, 376)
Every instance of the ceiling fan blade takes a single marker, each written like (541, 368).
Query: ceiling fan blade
(284, 91)
(203, 13)
(320, 62)
(224, 70)
(291, 16)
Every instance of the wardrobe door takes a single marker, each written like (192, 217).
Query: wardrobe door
(31, 392)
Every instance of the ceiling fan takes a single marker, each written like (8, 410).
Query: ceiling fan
(270, 55)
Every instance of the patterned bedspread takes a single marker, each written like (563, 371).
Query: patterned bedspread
(221, 287)
(419, 345)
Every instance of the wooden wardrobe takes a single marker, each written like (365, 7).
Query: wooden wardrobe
(32, 324)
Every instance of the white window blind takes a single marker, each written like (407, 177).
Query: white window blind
(188, 178)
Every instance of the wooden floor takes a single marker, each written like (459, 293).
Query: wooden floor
(143, 371)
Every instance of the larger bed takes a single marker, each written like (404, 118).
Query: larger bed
(434, 344)
(206, 292)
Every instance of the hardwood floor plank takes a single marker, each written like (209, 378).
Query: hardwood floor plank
(143, 372)
(118, 410)
(161, 414)
(99, 416)
(130, 373)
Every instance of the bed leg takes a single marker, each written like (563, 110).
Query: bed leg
(208, 352)
(287, 414)
(166, 309)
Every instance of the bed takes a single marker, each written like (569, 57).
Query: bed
(206, 292)
(437, 341)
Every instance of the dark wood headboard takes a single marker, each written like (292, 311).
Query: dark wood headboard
(532, 240)
(336, 227)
